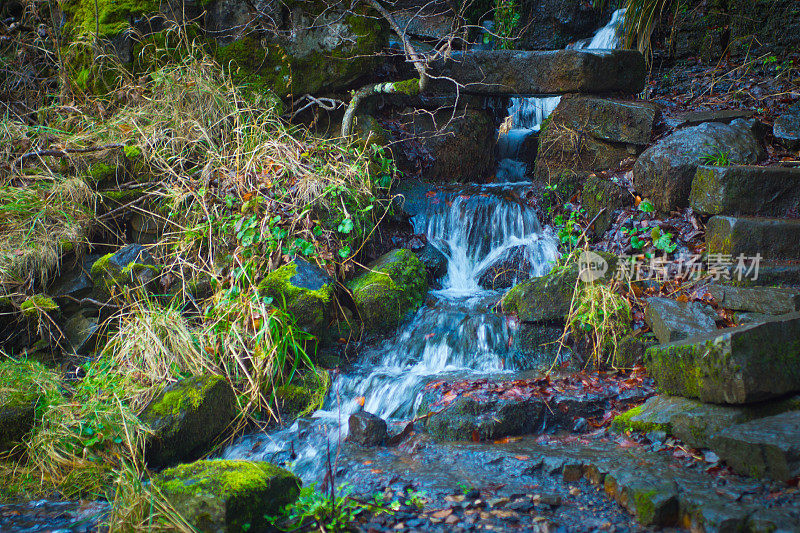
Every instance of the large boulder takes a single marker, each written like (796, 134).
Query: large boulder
(608, 119)
(303, 394)
(459, 143)
(664, 172)
(787, 128)
(738, 365)
(771, 238)
(303, 290)
(694, 422)
(745, 190)
(23, 389)
(672, 320)
(514, 72)
(767, 447)
(393, 286)
(131, 266)
(228, 496)
(186, 418)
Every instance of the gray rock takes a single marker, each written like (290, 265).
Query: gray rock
(536, 346)
(787, 128)
(745, 190)
(228, 496)
(767, 447)
(131, 266)
(723, 116)
(75, 281)
(772, 238)
(469, 419)
(672, 320)
(763, 300)
(552, 24)
(434, 260)
(367, 429)
(737, 365)
(614, 120)
(412, 194)
(653, 500)
(551, 72)
(82, 330)
(186, 418)
(507, 270)
(664, 172)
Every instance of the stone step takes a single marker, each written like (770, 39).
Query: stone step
(745, 190)
(737, 365)
(766, 300)
(772, 238)
(767, 447)
(502, 72)
(672, 320)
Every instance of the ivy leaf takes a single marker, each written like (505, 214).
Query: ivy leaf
(344, 252)
(646, 206)
(346, 226)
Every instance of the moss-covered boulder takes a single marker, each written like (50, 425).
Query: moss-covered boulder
(303, 290)
(228, 496)
(303, 395)
(38, 305)
(24, 386)
(393, 286)
(131, 266)
(186, 418)
(737, 365)
(771, 238)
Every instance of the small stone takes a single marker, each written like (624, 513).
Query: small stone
(367, 429)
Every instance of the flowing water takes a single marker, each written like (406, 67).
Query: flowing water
(456, 332)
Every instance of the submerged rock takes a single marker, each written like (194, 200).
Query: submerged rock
(664, 172)
(22, 389)
(130, 266)
(737, 365)
(303, 290)
(367, 429)
(186, 418)
(672, 320)
(745, 190)
(771, 238)
(504, 272)
(228, 496)
(767, 447)
(394, 285)
(435, 262)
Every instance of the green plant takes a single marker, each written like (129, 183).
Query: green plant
(601, 315)
(641, 19)
(715, 156)
(571, 230)
(662, 241)
(506, 19)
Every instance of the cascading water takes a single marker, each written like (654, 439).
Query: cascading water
(455, 333)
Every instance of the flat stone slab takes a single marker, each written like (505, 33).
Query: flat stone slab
(693, 422)
(672, 320)
(739, 365)
(609, 119)
(725, 116)
(772, 238)
(500, 72)
(765, 300)
(767, 447)
(745, 190)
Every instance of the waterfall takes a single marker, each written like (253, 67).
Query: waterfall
(606, 37)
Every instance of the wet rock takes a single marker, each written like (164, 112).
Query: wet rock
(536, 346)
(787, 128)
(367, 429)
(693, 422)
(736, 365)
(230, 496)
(82, 330)
(22, 389)
(745, 190)
(551, 72)
(664, 172)
(450, 137)
(145, 229)
(565, 152)
(672, 320)
(602, 198)
(772, 238)
(783, 519)
(630, 350)
(504, 272)
(767, 447)
(435, 262)
(303, 290)
(186, 418)
(608, 119)
(394, 285)
(763, 300)
(723, 116)
(413, 196)
(303, 395)
(552, 24)
(469, 419)
(130, 266)
(654, 500)
(75, 281)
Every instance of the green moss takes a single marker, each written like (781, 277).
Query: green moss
(409, 87)
(234, 496)
(26, 388)
(110, 18)
(133, 152)
(310, 307)
(190, 397)
(303, 396)
(38, 304)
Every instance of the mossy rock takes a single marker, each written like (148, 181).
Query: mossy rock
(394, 286)
(303, 395)
(231, 496)
(131, 266)
(24, 387)
(304, 291)
(38, 305)
(186, 419)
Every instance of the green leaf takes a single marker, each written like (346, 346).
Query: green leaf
(646, 206)
(344, 252)
(346, 226)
